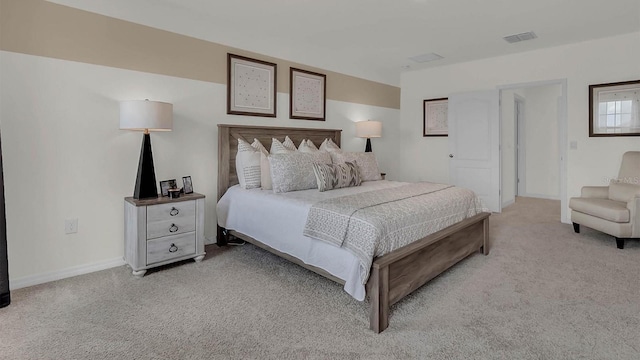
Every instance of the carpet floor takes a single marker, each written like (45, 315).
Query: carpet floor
(542, 293)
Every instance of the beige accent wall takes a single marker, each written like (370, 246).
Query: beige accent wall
(41, 28)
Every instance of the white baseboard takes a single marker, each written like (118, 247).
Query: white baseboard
(508, 202)
(64, 273)
(541, 196)
(208, 241)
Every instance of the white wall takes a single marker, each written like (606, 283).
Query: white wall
(64, 156)
(581, 64)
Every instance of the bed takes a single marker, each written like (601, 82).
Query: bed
(391, 276)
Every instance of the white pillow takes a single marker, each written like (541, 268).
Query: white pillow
(288, 143)
(366, 161)
(310, 144)
(248, 165)
(265, 172)
(307, 146)
(329, 145)
(256, 144)
(279, 148)
(294, 171)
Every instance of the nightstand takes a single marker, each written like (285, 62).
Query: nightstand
(162, 231)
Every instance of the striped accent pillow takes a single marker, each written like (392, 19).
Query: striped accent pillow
(335, 176)
(329, 145)
(280, 148)
(366, 162)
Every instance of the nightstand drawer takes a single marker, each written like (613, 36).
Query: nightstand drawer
(171, 211)
(171, 247)
(170, 227)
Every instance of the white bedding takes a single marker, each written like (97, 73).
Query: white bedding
(278, 220)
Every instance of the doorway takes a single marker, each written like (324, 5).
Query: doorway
(533, 142)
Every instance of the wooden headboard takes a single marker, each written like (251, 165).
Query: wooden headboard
(228, 136)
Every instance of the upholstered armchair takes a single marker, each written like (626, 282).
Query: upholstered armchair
(613, 209)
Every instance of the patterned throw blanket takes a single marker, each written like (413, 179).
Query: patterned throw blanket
(374, 223)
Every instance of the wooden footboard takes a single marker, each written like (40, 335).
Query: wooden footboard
(397, 274)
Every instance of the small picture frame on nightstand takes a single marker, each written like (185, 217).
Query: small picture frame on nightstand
(188, 185)
(165, 185)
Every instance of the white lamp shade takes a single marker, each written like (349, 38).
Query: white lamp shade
(146, 115)
(369, 129)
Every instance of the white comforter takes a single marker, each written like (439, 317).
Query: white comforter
(278, 220)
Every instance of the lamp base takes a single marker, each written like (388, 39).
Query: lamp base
(146, 179)
(368, 147)
(5, 299)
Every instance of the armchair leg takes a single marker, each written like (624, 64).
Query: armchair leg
(620, 243)
(576, 228)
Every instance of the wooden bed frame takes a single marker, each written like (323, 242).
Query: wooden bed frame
(394, 275)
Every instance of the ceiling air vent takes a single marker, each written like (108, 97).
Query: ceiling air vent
(425, 57)
(520, 37)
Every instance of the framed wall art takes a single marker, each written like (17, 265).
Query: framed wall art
(614, 109)
(435, 117)
(251, 86)
(307, 95)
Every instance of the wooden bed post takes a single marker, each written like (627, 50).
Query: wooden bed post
(379, 299)
(485, 240)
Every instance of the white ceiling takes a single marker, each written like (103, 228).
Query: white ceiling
(373, 39)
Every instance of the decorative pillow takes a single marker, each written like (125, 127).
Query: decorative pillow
(288, 143)
(620, 191)
(278, 148)
(307, 146)
(256, 144)
(248, 165)
(329, 145)
(310, 144)
(294, 171)
(335, 176)
(367, 162)
(265, 172)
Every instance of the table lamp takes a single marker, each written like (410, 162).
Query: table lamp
(368, 129)
(146, 116)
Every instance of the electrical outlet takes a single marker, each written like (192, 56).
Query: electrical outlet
(71, 226)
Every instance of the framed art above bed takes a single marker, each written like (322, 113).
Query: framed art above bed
(307, 95)
(251, 86)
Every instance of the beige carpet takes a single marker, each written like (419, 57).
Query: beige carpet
(543, 293)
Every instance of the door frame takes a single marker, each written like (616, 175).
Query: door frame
(520, 156)
(562, 136)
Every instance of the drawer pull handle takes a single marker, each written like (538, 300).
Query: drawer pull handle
(173, 248)
(174, 211)
(173, 228)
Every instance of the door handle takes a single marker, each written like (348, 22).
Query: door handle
(450, 155)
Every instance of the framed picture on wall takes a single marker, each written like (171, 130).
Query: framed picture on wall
(251, 86)
(435, 117)
(614, 109)
(307, 95)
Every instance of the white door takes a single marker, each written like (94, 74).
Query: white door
(474, 144)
